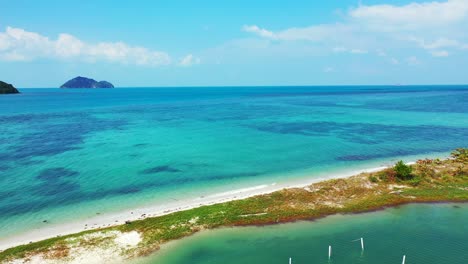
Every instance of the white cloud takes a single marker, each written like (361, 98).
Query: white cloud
(383, 27)
(20, 45)
(328, 69)
(314, 33)
(440, 53)
(435, 47)
(358, 51)
(68, 46)
(414, 15)
(259, 31)
(189, 60)
(352, 51)
(440, 43)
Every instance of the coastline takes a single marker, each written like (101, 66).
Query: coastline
(428, 181)
(119, 218)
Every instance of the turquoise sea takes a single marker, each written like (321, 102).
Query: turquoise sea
(71, 154)
(425, 233)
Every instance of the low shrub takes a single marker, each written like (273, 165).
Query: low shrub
(387, 175)
(460, 154)
(373, 179)
(403, 171)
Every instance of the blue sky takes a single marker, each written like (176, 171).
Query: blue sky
(198, 43)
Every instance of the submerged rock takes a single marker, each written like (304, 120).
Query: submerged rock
(6, 88)
(83, 82)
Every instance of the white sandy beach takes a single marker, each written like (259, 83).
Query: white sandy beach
(114, 219)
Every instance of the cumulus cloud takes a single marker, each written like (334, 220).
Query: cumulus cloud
(414, 15)
(436, 27)
(436, 47)
(259, 31)
(189, 60)
(315, 33)
(20, 45)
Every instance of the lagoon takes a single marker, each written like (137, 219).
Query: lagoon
(425, 233)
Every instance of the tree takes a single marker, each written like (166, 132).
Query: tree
(403, 171)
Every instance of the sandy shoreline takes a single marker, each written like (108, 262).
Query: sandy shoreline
(119, 218)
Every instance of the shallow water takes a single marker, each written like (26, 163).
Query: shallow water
(428, 234)
(70, 154)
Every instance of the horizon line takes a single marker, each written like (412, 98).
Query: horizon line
(251, 86)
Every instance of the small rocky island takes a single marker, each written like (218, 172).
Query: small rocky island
(83, 82)
(6, 88)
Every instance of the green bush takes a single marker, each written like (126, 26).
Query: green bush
(373, 179)
(415, 181)
(403, 171)
(460, 154)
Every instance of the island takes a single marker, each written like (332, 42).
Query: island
(83, 82)
(6, 88)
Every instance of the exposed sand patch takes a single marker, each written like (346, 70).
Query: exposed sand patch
(130, 239)
(194, 220)
(96, 248)
(397, 186)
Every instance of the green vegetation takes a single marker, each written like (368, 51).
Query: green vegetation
(426, 181)
(460, 154)
(403, 171)
(6, 88)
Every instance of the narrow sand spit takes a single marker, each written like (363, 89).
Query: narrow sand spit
(106, 220)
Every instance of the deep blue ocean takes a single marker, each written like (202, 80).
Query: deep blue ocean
(68, 154)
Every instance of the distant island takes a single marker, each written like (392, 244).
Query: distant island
(83, 82)
(6, 88)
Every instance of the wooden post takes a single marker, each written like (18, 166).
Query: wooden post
(329, 252)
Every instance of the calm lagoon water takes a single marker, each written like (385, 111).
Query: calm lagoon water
(426, 234)
(69, 154)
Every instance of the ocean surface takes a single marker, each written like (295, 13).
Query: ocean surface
(425, 233)
(73, 154)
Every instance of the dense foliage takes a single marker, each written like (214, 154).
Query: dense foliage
(402, 171)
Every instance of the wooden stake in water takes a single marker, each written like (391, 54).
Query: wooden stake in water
(362, 243)
(290, 261)
(329, 252)
(404, 259)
